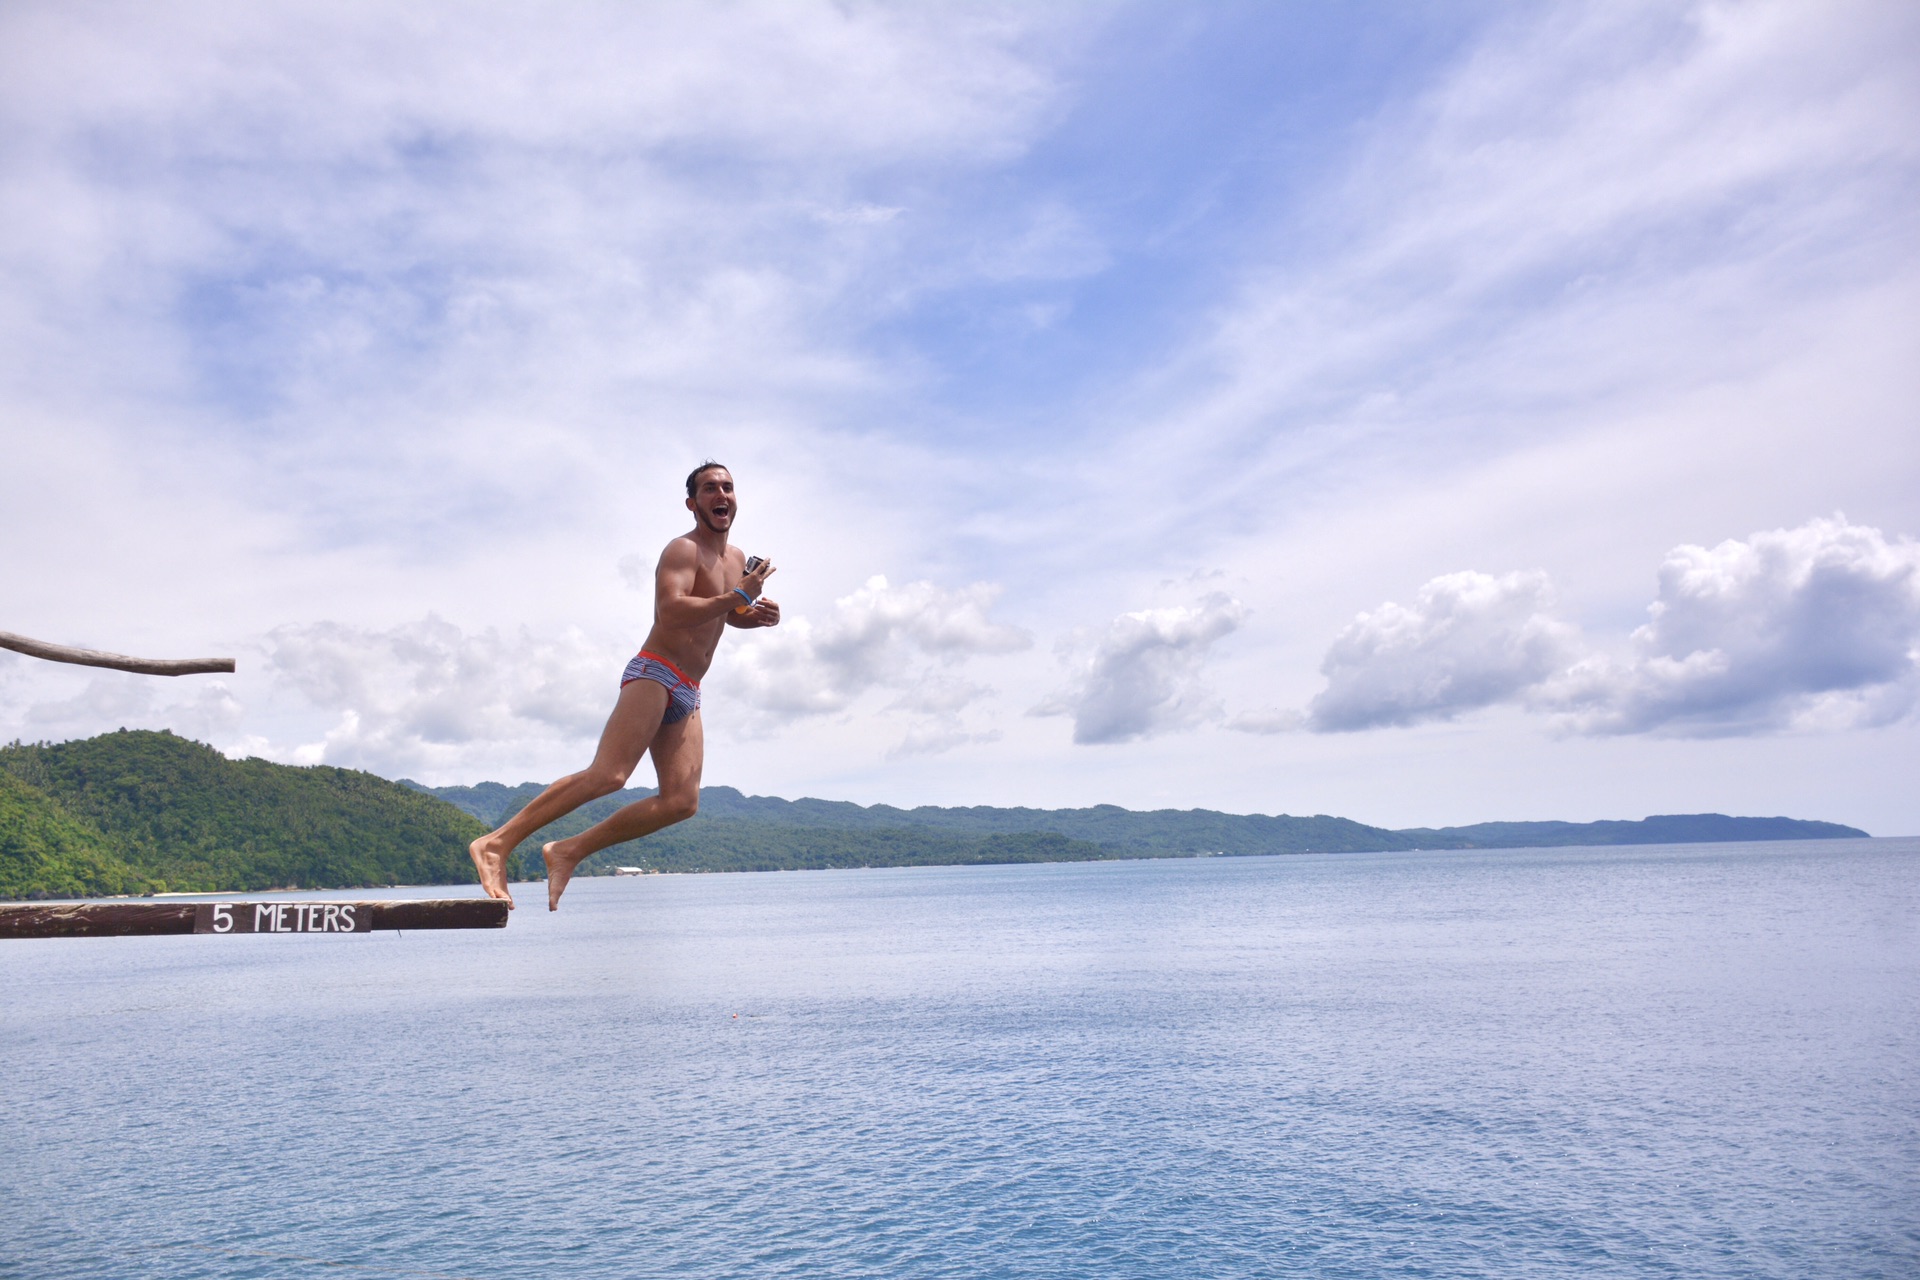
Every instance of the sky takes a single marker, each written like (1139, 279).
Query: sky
(1423, 413)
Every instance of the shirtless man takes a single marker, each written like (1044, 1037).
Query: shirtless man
(700, 586)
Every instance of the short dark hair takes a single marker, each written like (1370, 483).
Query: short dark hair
(693, 477)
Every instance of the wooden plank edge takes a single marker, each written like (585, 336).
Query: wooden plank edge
(94, 919)
(147, 919)
(440, 913)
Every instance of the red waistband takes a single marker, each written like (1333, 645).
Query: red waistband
(669, 666)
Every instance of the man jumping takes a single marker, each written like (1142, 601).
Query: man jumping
(700, 586)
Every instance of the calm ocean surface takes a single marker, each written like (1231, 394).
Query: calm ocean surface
(1694, 1061)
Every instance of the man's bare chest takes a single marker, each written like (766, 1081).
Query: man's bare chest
(718, 576)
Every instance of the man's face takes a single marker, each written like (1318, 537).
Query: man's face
(712, 501)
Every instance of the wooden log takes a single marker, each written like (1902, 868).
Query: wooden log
(93, 919)
(127, 919)
(114, 661)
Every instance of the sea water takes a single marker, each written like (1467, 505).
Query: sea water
(1694, 1061)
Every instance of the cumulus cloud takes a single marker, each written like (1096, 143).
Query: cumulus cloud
(907, 640)
(1143, 678)
(637, 572)
(379, 274)
(1818, 625)
(1271, 720)
(1469, 640)
(424, 695)
(209, 711)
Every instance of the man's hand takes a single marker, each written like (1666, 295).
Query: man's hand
(765, 613)
(756, 580)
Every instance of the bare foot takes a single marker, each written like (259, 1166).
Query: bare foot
(492, 866)
(559, 870)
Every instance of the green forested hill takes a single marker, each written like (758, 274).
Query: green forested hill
(1668, 828)
(45, 851)
(737, 833)
(740, 832)
(140, 811)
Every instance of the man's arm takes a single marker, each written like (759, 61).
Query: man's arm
(675, 605)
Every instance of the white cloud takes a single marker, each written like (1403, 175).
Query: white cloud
(1601, 208)
(390, 275)
(125, 701)
(1142, 678)
(906, 640)
(427, 696)
(1469, 640)
(1814, 626)
(1271, 720)
(859, 215)
(930, 738)
(637, 572)
(202, 709)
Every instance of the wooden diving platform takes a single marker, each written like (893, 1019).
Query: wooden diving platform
(141, 919)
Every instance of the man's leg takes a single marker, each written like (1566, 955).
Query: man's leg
(678, 750)
(629, 732)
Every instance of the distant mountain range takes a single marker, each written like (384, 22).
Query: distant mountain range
(143, 812)
(737, 832)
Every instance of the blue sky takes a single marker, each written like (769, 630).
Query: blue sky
(1423, 413)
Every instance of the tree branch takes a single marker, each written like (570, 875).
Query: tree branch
(114, 661)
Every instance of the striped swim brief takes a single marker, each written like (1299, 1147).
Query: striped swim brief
(683, 695)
